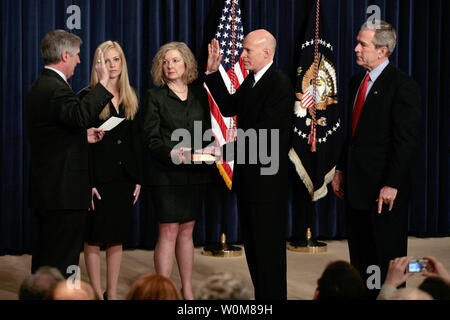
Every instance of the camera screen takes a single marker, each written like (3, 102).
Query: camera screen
(414, 267)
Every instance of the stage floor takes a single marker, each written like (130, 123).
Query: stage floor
(303, 269)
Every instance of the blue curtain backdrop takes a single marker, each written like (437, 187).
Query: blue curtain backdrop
(142, 26)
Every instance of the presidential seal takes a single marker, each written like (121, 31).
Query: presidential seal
(325, 91)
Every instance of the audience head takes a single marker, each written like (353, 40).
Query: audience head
(60, 49)
(410, 294)
(36, 286)
(340, 281)
(116, 63)
(437, 287)
(178, 56)
(153, 287)
(63, 291)
(223, 286)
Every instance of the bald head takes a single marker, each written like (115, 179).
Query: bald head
(259, 50)
(62, 291)
(264, 39)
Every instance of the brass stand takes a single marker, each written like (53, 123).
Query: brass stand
(222, 250)
(309, 245)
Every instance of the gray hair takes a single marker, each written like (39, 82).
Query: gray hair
(56, 42)
(385, 35)
(39, 284)
(223, 286)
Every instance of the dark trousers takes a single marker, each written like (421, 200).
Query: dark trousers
(263, 228)
(375, 239)
(58, 239)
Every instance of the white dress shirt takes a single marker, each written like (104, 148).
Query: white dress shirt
(58, 72)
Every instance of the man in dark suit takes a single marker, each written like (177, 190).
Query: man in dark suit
(56, 123)
(374, 171)
(263, 106)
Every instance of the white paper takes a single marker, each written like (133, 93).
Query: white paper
(111, 123)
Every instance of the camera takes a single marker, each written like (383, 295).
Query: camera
(418, 265)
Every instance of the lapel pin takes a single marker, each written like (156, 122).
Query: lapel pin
(376, 92)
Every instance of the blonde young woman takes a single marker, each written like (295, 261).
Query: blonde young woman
(176, 187)
(116, 173)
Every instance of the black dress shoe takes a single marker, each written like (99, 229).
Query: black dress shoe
(105, 296)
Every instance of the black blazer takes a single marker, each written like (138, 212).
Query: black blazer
(118, 157)
(56, 123)
(164, 113)
(382, 151)
(268, 105)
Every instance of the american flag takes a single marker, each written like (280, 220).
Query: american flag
(230, 34)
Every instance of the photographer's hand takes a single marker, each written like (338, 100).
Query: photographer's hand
(435, 268)
(397, 273)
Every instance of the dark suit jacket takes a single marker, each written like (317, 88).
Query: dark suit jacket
(164, 113)
(56, 123)
(118, 157)
(382, 151)
(268, 105)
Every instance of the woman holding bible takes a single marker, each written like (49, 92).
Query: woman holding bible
(176, 186)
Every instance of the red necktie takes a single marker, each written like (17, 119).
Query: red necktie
(359, 103)
(68, 84)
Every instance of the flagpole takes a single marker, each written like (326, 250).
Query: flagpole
(223, 250)
(308, 244)
(233, 33)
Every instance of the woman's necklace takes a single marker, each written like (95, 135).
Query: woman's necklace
(178, 91)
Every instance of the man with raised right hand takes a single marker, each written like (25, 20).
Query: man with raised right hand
(57, 128)
(262, 104)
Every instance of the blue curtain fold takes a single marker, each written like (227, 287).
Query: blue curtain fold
(143, 26)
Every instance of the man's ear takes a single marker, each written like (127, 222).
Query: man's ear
(383, 51)
(64, 56)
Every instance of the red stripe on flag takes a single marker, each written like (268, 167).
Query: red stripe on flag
(228, 169)
(215, 112)
(307, 99)
(244, 72)
(231, 75)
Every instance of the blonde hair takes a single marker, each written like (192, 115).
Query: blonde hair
(191, 73)
(153, 287)
(127, 96)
